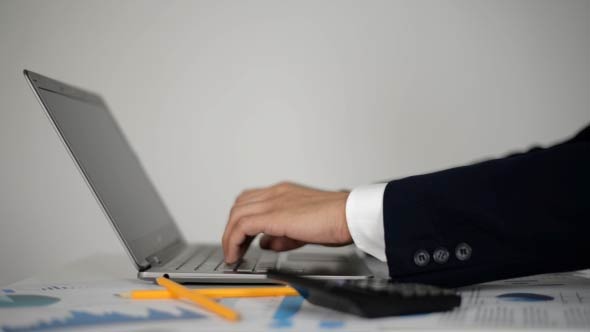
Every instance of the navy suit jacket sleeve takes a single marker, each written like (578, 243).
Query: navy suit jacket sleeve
(523, 214)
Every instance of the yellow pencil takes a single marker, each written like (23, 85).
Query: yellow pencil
(180, 291)
(162, 294)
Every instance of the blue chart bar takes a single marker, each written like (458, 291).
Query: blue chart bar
(85, 319)
(331, 324)
(288, 308)
(55, 288)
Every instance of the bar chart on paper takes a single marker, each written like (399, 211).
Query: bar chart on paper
(35, 307)
(541, 303)
(57, 307)
(86, 318)
(290, 313)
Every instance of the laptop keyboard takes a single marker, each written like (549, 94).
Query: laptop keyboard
(255, 261)
(210, 261)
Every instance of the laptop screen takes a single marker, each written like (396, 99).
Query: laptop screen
(112, 170)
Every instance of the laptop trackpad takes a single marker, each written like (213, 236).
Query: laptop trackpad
(323, 263)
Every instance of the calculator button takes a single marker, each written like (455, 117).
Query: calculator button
(433, 291)
(405, 291)
(379, 287)
(364, 283)
(448, 292)
(421, 291)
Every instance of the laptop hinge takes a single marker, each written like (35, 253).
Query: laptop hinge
(164, 255)
(144, 267)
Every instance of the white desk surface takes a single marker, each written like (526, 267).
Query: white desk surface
(104, 268)
(98, 267)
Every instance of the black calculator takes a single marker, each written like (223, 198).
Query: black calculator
(371, 297)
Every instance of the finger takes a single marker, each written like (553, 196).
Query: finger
(244, 246)
(238, 239)
(280, 243)
(248, 226)
(238, 212)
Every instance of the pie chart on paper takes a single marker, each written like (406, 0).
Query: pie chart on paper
(20, 301)
(525, 297)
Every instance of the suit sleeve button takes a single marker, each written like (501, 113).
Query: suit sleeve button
(463, 251)
(421, 257)
(441, 255)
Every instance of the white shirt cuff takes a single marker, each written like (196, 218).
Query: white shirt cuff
(364, 215)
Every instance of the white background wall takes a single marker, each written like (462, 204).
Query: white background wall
(219, 96)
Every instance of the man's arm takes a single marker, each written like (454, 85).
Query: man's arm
(524, 214)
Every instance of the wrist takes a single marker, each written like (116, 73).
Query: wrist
(364, 215)
(344, 236)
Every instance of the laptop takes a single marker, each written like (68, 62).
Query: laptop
(139, 216)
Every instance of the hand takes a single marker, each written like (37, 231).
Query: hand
(289, 216)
